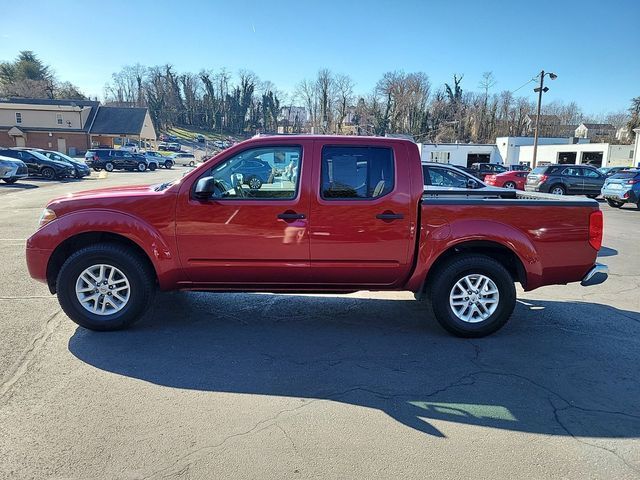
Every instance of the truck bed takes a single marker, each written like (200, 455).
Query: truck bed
(551, 242)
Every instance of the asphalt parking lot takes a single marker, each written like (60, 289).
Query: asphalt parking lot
(274, 386)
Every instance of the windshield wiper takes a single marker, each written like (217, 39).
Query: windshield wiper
(162, 186)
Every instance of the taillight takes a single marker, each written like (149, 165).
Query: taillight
(95, 158)
(633, 181)
(595, 229)
(542, 178)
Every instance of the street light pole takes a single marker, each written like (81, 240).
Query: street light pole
(535, 134)
(540, 90)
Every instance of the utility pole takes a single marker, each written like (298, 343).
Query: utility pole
(539, 90)
(535, 133)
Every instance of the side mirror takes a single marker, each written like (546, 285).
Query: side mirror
(471, 183)
(205, 187)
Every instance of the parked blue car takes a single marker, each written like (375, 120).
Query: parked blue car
(623, 187)
(254, 172)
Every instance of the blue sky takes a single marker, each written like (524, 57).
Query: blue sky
(592, 45)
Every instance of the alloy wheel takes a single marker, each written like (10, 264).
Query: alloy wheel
(103, 289)
(474, 298)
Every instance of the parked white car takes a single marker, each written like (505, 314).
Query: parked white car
(12, 169)
(158, 159)
(131, 147)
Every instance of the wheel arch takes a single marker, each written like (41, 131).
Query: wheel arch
(497, 251)
(558, 184)
(81, 240)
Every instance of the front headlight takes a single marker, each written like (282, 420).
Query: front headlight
(46, 216)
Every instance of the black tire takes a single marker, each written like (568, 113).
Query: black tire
(510, 185)
(141, 167)
(168, 164)
(614, 203)
(48, 173)
(592, 196)
(97, 169)
(254, 183)
(152, 167)
(10, 180)
(559, 189)
(444, 281)
(192, 163)
(109, 167)
(141, 280)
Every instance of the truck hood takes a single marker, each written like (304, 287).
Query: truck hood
(124, 199)
(109, 192)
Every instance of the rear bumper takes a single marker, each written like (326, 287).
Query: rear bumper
(620, 195)
(597, 275)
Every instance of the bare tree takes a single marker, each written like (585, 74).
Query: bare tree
(344, 93)
(325, 83)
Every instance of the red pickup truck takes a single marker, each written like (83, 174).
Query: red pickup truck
(339, 214)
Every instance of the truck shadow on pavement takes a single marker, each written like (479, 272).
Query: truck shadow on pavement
(558, 368)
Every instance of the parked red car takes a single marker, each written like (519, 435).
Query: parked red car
(354, 215)
(512, 179)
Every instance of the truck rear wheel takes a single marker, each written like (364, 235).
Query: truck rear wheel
(105, 287)
(472, 295)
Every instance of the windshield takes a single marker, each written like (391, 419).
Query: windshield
(539, 170)
(60, 156)
(44, 157)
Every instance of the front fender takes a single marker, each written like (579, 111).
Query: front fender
(160, 249)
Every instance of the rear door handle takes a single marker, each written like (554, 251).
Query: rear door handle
(389, 216)
(291, 216)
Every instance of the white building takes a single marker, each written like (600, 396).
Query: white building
(596, 154)
(463, 154)
(509, 147)
(519, 151)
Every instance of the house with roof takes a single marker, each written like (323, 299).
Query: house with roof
(120, 122)
(69, 126)
(550, 126)
(595, 130)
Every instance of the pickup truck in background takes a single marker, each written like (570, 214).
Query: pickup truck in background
(356, 216)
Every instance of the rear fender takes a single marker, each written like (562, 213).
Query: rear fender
(438, 236)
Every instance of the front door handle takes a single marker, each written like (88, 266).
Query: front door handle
(291, 216)
(388, 216)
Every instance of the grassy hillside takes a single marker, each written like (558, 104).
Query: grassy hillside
(188, 134)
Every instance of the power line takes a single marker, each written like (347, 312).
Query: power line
(525, 84)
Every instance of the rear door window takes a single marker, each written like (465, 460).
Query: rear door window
(572, 172)
(356, 172)
(587, 172)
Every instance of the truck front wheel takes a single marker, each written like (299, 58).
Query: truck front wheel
(105, 287)
(472, 295)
